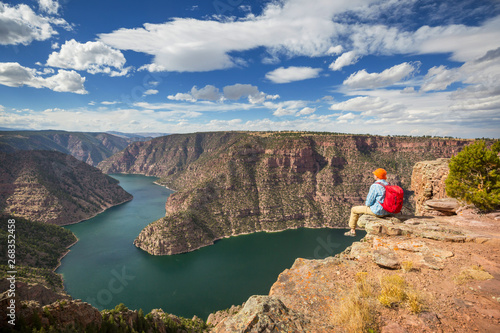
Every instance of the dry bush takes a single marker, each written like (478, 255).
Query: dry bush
(357, 310)
(407, 266)
(395, 291)
(392, 290)
(472, 273)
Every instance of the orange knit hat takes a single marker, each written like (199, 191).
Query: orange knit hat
(380, 173)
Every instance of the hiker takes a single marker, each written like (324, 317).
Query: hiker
(373, 202)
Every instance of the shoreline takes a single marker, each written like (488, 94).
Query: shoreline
(236, 235)
(168, 188)
(99, 212)
(68, 248)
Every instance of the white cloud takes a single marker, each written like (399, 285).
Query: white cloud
(151, 92)
(66, 81)
(209, 92)
(439, 78)
(408, 90)
(93, 57)
(306, 111)
(482, 91)
(346, 59)
(370, 106)
(109, 102)
(288, 108)
(13, 74)
(465, 43)
(237, 91)
(182, 97)
(152, 68)
(291, 74)
(49, 6)
(231, 92)
(364, 80)
(346, 116)
(335, 50)
(363, 103)
(20, 25)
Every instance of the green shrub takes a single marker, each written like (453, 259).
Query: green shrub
(475, 176)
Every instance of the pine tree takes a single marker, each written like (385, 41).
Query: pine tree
(475, 176)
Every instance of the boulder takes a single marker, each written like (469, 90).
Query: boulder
(445, 205)
(263, 314)
(386, 258)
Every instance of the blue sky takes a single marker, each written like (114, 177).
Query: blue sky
(412, 67)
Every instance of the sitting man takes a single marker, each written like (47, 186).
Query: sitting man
(373, 202)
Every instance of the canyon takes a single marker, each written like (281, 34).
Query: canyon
(447, 264)
(232, 183)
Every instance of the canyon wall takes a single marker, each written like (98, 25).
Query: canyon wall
(231, 183)
(90, 148)
(53, 187)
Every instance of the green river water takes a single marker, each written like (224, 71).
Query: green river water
(104, 268)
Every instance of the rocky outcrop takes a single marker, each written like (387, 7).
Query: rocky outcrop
(53, 187)
(430, 254)
(263, 314)
(231, 183)
(447, 265)
(428, 184)
(91, 148)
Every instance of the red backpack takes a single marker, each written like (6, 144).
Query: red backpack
(393, 201)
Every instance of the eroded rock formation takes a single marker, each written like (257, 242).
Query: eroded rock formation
(428, 183)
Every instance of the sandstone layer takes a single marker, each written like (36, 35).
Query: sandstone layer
(56, 188)
(231, 183)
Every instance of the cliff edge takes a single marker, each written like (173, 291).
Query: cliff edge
(409, 274)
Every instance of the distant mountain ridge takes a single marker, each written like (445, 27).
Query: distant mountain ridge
(231, 183)
(53, 187)
(86, 146)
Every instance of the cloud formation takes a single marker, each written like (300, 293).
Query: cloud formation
(346, 59)
(93, 57)
(49, 6)
(13, 74)
(291, 74)
(231, 92)
(298, 28)
(292, 28)
(364, 80)
(21, 25)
